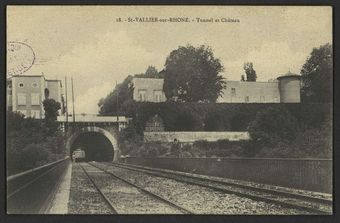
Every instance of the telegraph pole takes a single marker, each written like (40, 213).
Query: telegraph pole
(73, 114)
(66, 105)
(117, 106)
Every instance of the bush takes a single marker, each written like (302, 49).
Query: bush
(272, 125)
(315, 142)
(185, 122)
(34, 155)
(277, 130)
(215, 122)
(205, 116)
(28, 144)
(129, 140)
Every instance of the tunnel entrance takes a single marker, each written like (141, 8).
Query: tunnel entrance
(97, 147)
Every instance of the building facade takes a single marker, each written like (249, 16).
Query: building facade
(284, 89)
(250, 92)
(25, 94)
(148, 90)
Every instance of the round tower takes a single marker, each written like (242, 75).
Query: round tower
(289, 87)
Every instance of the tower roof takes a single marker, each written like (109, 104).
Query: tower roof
(289, 74)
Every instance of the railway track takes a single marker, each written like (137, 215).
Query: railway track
(111, 205)
(312, 205)
(103, 196)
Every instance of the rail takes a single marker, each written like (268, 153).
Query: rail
(288, 199)
(146, 192)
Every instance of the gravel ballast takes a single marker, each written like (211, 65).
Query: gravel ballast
(197, 199)
(84, 198)
(126, 198)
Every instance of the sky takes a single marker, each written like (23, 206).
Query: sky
(89, 45)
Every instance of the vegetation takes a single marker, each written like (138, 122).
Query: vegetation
(310, 143)
(33, 142)
(151, 72)
(123, 93)
(224, 117)
(277, 130)
(277, 133)
(273, 124)
(215, 121)
(30, 143)
(317, 76)
(250, 72)
(192, 75)
(51, 108)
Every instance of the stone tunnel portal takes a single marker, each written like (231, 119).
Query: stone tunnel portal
(98, 144)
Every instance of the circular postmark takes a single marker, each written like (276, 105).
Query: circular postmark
(20, 58)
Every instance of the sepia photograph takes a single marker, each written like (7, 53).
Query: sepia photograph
(169, 110)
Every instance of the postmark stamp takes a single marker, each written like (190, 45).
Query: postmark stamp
(20, 58)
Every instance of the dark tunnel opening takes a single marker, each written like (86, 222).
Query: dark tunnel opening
(96, 146)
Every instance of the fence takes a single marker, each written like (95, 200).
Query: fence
(306, 174)
(194, 136)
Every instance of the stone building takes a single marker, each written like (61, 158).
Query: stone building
(250, 92)
(148, 90)
(284, 89)
(25, 94)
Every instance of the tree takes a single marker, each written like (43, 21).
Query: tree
(317, 75)
(30, 144)
(192, 75)
(51, 108)
(250, 72)
(151, 72)
(124, 90)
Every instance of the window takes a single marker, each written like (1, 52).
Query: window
(35, 99)
(9, 90)
(158, 95)
(9, 100)
(35, 114)
(21, 99)
(246, 99)
(34, 85)
(262, 99)
(233, 92)
(142, 95)
(47, 93)
(21, 85)
(24, 112)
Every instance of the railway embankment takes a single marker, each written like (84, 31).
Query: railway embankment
(305, 174)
